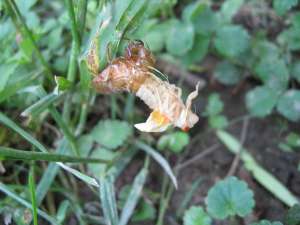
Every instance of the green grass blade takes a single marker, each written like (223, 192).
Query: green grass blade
(41, 105)
(62, 211)
(85, 178)
(12, 89)
(31, 181)
(188, 197)
(262, 176)
(159, 158)
(118, 167)
(108, 201)
(15, 154)
(128, 16)
(50, 173)
(6, 190)
(26, 32)
(133, 196)
(11, 124)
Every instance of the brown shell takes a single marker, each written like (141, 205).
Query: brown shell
(125, 73)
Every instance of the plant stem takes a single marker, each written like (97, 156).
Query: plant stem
(15, 154)
(31, 182)
(76, 28)
(23, 28)
(165, 203)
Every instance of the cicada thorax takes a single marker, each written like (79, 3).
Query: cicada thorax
(126, 73)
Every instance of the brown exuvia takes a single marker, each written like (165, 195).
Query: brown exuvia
(132, 73)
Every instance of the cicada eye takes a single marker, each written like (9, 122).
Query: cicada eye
(139, 42)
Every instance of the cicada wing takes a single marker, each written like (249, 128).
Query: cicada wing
(156, 122)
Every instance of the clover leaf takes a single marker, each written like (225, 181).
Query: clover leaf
(111, 133)
(175, 141)
(196, 216)
(232, 40)
(289, 105)
(229, 197)
(266, 222)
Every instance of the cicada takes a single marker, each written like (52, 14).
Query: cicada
(132, 73)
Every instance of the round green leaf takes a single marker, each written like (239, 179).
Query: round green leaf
(201, 16)
(293, 215)
(196, 216)
(218, 121)
(266, 222)
(175, 141)
(227, 73)
(214, 106)
(181, 38)
(290, 38)
(282, 6)
(232, 40)
(155, 38)
(274, 73)
(229, 197)
(199, 50)
(295, 71)
(261, 101)
(111, 133)
(289, 105)
(98, 169)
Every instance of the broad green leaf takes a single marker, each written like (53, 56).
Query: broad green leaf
(229, 197)
(155, 34)
(214, 106)
(289, 105)
(264, 49)
(293, 216)
(193, 10)
(99, 169)
(85, 144)
(180, 38)
(266, 222)
(202, 17)
(232, 40)
(260, 101)
(196, 216)
(175, 141)
(145, 211)
(218, 121)
(295, 71)
(273, 72)
(111, 133)
(198, 51)
(293, 139)
(229, 9)
(227, 73)
(133, 197)
(290, 38)
(282, 6)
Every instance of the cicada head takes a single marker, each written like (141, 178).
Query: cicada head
(137, 50)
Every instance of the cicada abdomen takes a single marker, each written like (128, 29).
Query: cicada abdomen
(132, 73)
